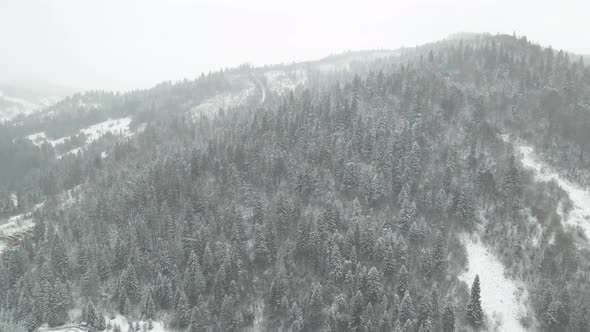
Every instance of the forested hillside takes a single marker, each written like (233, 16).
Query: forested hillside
(335, 198)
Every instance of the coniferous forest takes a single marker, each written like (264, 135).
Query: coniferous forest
(345, 203)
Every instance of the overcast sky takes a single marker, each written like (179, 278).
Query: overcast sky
(124, 44)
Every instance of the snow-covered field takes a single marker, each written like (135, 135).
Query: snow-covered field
(579, 216)
(210, 106)
(503, 299)
(114, 126)
(119, 320)
(40, 138)
(281, 82)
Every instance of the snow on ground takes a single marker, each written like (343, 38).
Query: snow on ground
(113, 126)
(580, 197)
(119, 320)
(40, 138)
(15, 225)
(281, 82)
(93, 133)
(210, 106)
(502, 298)
(69, 197)
(124, 324)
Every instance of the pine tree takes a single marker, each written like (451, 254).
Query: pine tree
(194, 282)
(90, 282)
(389, 262)
(59, 258)
(227, 315)
(368, 317)
(183, 311)
(149, 308)
(163, 292)
(100, 323)
(474, 310)
(58, 314)
(316, 305)
(408, 326)
(386, 324)
(407, 213)
(198, 322)
(131, 284)
(261, 250)
(406, 308)
(90, 315)
(278, 289)
(448, 319)
(426, 326)
(373, 286)
(357, 308)
(402, 285)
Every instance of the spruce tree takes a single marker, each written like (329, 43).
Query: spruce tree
(316, 305)
(149, 308)
(448, 319)
(373, 286)
(402, 284)
(183, 312)
(474, 310)
(406, 309)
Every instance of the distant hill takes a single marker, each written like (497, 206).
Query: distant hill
(24, 97)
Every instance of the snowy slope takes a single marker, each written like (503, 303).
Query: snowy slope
(16, 225)
(280, 82)
(579, 216)
(119, 320)
(40, 138)
(502, 298)
(94, 132)
(210, 106)
(113, 126)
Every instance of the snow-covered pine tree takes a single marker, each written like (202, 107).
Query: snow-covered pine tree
(474, 309)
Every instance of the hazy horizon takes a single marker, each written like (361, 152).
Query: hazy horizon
(136, 44)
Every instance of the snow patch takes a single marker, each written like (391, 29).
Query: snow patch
(119, 320)
(579, 216)
(123, 323)
(113, 126)
(40, 138)
(502, 298)
(210, 106)
(281, 82)
(16, 225)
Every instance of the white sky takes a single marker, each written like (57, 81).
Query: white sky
(125, 44)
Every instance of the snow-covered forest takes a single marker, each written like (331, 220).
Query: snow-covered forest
(438, 188)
